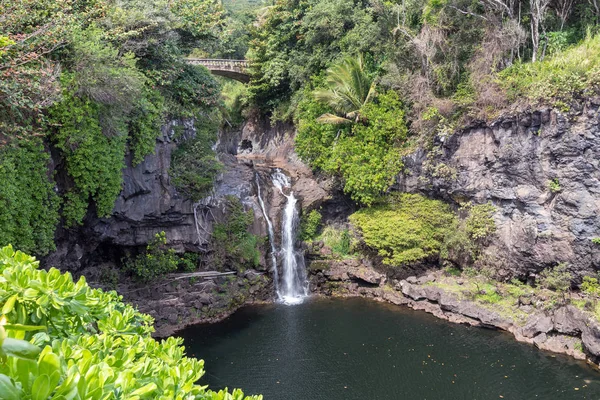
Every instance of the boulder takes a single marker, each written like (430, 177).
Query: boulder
(368, 275)
(537, 324)
(569, 320)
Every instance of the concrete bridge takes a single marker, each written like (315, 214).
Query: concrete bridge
(234, 69)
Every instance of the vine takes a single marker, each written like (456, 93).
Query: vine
(28, 203)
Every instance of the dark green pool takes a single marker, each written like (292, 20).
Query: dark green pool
(356, 349)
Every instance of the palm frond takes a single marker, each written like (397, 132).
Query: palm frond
(349, 88)
(329, 118)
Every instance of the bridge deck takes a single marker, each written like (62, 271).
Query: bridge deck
(234, 69)
(219, 63)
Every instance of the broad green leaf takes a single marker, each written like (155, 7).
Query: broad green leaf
(144, 390)
(7, 389)
(49, 364)
(41, 388)
(20, 349)
(9, 305)
(26, 328)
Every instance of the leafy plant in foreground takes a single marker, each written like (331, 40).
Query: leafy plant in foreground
(61, 339)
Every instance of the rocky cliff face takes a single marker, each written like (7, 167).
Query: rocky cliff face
(540, 169)
(149, 203)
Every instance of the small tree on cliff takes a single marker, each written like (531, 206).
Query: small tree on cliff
(349, 89)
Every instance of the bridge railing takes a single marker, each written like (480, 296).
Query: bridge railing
(220, 63)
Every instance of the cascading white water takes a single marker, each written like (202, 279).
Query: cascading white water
(293, 288)
(271, 239)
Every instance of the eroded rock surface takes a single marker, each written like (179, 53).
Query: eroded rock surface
(540, 169)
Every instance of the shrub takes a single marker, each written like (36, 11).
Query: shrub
(28, 203)
(157, 261)
(463, 242)
(554, 185)
(479, 223)
(590, 286)
(191, 91)
(94, 160)
(557, 278)
(338, 240)
(366, 155)
(310, 225)
(145, 124)
(231, 242)
(557, 79)
(62, 339)
(406, 228)
(194, 164)
(189, 262)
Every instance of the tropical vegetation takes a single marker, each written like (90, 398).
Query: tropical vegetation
(61, 339)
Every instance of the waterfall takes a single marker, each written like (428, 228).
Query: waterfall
(271, 239)
(293, 288)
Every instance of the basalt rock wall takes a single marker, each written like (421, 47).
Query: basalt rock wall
(149, 202)
(540, 169)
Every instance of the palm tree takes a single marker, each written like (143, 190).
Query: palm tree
(349, 88)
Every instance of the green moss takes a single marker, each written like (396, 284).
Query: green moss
(318, 265)
(501, 298)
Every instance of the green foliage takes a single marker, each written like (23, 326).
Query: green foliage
(190, 91)
(479, 223)
(189, 262)
(94, 160)
(62, 339)
(557, 278)
(145, 123)
(568, 74)
(297, 40)
(29, 83)
(310, 225)
(554, 185)
(366, 155)
(234, 95)
(233, 245)
(590, 286)
(348, 89)
(338, 240)
(464, 240)
(596, 240)
(490, 297)
(121, 67)
(201, 18)
(452, 271)
(194, 165)
(406, 228)
(28, 203)
(158, 260)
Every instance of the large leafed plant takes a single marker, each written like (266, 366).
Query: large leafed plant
(63, 340)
